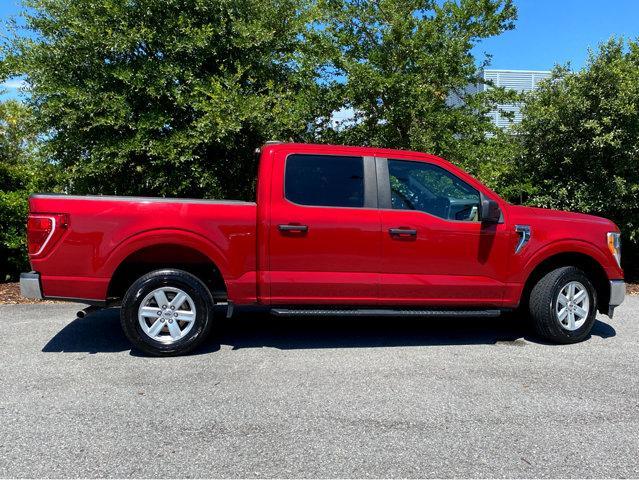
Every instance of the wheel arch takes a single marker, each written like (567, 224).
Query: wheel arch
(584, 261)
(182, 251)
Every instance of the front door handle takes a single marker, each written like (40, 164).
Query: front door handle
(293, 228)
(403, 232)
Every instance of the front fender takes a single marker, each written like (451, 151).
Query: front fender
(568, 246)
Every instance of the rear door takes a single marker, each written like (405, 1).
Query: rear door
(435, 249)
(324, 232)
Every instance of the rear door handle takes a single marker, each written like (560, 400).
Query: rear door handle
(293, 228)
(402, 232)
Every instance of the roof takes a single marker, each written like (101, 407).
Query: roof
(344, 149)
(505, 70)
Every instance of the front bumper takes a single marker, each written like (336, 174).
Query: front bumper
(617, 295)
(30, 285)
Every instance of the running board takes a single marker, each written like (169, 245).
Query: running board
(380, 312)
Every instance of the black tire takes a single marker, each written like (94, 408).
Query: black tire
(171, 278)
(543, 302)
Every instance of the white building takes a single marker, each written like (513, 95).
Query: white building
(518, 80)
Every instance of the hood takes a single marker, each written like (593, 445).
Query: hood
(520, 214)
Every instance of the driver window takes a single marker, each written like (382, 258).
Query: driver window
(431, 189)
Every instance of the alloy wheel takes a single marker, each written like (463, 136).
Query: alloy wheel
(572, 306)
(167, 314)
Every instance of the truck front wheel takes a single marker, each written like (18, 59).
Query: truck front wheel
(167, 312)
(563, 305)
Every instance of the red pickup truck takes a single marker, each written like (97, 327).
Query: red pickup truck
(335, 230)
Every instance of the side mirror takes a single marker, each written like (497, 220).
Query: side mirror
(490, 212)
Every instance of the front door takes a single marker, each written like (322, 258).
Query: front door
(435, 249)
(324, 230)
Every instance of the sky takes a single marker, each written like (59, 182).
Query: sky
(551, 32)
(547, 32)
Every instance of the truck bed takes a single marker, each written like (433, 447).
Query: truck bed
(102, 231)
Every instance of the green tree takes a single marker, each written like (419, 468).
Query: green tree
(167, 97)
(21, 173)
(580, 136)
(405, 67)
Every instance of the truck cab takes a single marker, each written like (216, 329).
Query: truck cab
(334, 230)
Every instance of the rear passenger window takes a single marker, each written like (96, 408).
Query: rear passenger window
(324, 180)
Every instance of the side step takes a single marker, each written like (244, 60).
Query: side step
(380, 312)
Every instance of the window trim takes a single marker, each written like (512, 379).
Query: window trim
(370, 181)
(384, 190)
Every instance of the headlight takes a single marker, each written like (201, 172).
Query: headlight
(614, 245)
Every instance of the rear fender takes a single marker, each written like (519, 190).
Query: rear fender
(165, 236)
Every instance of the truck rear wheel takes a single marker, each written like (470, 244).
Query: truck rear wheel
(563, 305)
(167, 312)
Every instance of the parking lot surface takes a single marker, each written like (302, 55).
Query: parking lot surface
(324, 397)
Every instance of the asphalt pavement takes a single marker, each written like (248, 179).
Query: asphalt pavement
(324, 397)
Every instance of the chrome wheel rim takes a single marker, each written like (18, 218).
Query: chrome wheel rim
(167, 314)
(572, 306)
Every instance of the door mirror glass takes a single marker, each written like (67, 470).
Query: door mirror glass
(490, 212)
